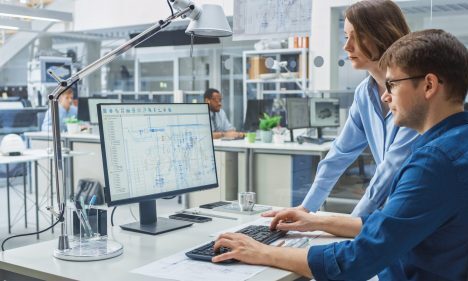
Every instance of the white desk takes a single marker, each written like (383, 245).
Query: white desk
(273, 171)
(30, 156)
(37, 261)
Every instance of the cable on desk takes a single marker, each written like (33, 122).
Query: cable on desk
(112, 216)
(59, 219)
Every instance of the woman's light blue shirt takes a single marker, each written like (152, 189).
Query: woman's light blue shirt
(366, 126)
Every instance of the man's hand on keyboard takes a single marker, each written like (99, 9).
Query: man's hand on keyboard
(273, 213)
(290, 219)
(243, 248)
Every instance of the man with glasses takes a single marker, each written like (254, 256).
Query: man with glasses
(421, 232)
(220, 125)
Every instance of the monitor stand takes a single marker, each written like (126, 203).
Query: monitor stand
(150, 224)
(318, 140)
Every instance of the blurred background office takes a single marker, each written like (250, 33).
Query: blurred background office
(284, 62)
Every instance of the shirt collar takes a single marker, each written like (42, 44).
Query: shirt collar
(443, 126)
(373, 90)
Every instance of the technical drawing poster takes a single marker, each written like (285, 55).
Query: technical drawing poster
(254, 19)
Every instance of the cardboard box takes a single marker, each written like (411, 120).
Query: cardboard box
(256, 66)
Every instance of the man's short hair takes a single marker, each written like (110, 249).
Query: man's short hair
(432, 51)
(209, 93)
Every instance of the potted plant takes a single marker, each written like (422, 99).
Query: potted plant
(266, 124)
(73, 125)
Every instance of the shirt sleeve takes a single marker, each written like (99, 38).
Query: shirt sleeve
(225, 124)
(47, 122)
(344, 150)
(416, 209)
(379, 186)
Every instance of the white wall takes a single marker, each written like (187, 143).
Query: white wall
(98, 14)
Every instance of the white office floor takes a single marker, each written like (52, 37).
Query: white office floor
(123, 214)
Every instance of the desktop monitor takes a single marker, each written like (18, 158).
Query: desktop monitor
(152, 151)
(87, 108)
(324, 112)
(19, 120)
(298, 113)
(255, 110)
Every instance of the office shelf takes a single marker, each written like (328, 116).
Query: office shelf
(253, 67)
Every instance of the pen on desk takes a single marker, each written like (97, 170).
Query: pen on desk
(208, 215)
(88, 228)
(280, 244)
(92, 201)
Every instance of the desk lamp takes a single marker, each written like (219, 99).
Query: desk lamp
(208, 21)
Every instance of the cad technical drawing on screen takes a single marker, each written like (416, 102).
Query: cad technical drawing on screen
(155, 150)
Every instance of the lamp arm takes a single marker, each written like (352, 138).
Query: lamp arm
(66, 84)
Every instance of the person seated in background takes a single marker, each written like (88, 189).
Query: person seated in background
(66, 110)
(220, 126)
(421, 232)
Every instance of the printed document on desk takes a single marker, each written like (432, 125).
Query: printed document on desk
(180, 267)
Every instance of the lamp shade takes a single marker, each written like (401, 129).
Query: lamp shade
(211, 22)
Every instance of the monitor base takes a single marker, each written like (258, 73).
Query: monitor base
(161, 225)
(302, 139)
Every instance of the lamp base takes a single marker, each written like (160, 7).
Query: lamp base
(91, 249)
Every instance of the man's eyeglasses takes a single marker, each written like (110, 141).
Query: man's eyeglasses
(389, 84)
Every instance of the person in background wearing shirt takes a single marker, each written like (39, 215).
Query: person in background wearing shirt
(66, 110)
(220, 126)
(370, 28)
(421, 232)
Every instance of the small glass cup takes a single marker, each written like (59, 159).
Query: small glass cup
(251, 137)
(246, 201)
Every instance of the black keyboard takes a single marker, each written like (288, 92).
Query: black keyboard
(261, 233)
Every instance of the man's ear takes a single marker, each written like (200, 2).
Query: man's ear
(432, 85)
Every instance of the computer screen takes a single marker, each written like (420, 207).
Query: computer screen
(298, 113)
(19, 120)
(152, 151)
(255, 110)
(87, 108)
(324, 112)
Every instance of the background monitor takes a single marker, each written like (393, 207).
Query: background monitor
(152, 151)
(255, 110)
(20, 120)
(298, 113)
(87, 108)
(324, 112)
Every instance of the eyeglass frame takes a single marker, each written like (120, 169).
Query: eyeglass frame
(389, 87)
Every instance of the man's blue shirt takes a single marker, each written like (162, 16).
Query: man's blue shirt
(220, 122)
(63, 114)
(366, 126)
(422, 232)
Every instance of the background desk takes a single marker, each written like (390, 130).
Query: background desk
(33, 156)
(36, 261)
(281, 174)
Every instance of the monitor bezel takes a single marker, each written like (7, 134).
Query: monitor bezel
(139, 199)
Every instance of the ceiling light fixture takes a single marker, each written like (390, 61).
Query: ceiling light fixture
(34, 13)
(13, 24)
